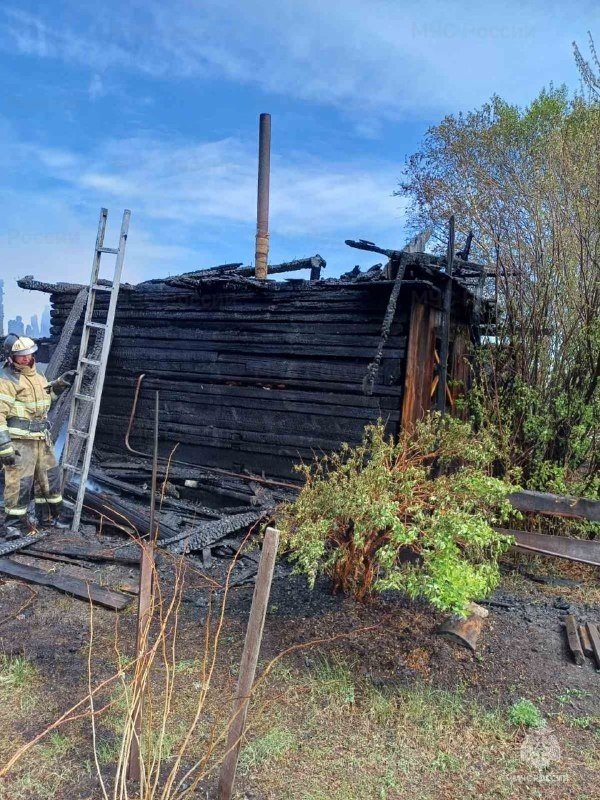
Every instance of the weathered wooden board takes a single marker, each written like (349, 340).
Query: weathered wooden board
(594, 635)
(573, 640)
(419, 364)
(86, 590)
(90, 552)
(544, 503)
(583, 550)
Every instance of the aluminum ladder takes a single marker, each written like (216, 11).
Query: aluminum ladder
(91, 366)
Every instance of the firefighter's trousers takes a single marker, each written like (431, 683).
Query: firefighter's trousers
(36, 472)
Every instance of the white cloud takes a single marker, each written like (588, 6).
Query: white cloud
(381, 57)
(96, 88)
(215, 182)
(193, 205)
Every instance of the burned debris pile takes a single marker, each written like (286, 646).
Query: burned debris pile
(254, 376)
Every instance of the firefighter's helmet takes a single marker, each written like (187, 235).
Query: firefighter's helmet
(18, 346)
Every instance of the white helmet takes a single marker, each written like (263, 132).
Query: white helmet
(19, 346)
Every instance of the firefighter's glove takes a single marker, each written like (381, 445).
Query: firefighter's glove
(8, 460)
(62, 383)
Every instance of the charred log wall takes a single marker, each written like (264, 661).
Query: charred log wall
(251, 377)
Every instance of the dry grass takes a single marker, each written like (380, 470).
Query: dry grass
(315, 733)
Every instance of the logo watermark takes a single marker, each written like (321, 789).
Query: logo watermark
(452, 30)
(540, 752)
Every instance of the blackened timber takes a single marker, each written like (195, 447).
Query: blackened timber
(210, 533)
(297, 383)
(386, 326)
(314, 262)
(85, 590)
(445, 321)
(117, 511)
(254, 418)
(89, 551)
(303, 401)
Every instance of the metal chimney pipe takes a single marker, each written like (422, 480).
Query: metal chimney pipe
(261, 254)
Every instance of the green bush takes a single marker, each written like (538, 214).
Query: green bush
(415, 515)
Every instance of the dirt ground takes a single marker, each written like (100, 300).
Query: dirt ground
(366, 702)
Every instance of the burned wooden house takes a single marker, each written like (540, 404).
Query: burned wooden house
(255, 376)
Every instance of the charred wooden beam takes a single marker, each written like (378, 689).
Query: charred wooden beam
(557, 505)
(583, 550)
(85, 590)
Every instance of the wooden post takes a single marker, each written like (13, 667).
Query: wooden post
(144, 609)
(254, 633)
(446, 319)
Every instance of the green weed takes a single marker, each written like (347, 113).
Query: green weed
(334, 681)
(270, 747)
(16, 672)
(525, 714)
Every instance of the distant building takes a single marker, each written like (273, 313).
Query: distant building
(45, 324)
(1, 307)
(33, 329)
(16, 326)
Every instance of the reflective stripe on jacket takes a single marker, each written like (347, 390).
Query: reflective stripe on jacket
(24, 405)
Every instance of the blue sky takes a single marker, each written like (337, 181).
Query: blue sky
(154, 106)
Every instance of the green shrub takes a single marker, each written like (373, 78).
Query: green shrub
(525, 714)
(415, 515)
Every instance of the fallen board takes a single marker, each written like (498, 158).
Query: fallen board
(582, 550)
(64, 583)
(586, 642)
(594, 635)
(22, 543)
(89, 552)
(557, 505)
(573, 640)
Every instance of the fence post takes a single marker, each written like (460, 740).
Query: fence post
(254, 633)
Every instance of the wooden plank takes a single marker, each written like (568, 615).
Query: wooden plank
(254, 634)
(419, 364)
(86, 590)
(573, 640)
(296, 383)
(557, 505)
(594, 634)
(583, 550)
(586, 642)
(459, 379)
(20, 544)
(89, 552)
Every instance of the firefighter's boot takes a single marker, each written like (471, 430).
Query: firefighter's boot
(59, 519)
(15, 528)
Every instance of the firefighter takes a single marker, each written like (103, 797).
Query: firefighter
(25, 446)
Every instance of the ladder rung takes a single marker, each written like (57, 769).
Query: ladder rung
(99, 325)
(75, 432)
(110, 250)
(86, 397)
(72, 467)
(92, 362)
(100, 288)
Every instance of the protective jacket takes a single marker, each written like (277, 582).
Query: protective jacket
(25, 399)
